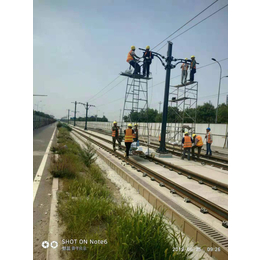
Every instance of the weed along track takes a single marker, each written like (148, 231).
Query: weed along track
(203, 233)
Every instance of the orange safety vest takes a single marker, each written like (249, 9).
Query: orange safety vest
(159, 138)
(129, 56)
(209, 138)
(200, 142)
(184, 66)
(194, 64)
(134, 134)
(187, 142)
(128, 135)
(113, 133)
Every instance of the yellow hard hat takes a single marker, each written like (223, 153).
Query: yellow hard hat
(115, 122)
(147, 47)
(186, 133)
(193, 135)
(136, 124)
(186, 58)
(129, 125)
(192, 56)
(132, 47)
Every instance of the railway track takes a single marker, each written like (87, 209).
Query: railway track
(204, 204)
(215, 161)
(212, 241)
(181, 171)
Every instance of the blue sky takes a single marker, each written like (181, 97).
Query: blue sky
(81, 46)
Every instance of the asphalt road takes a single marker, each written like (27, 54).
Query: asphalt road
(41, 139)
(42, 201)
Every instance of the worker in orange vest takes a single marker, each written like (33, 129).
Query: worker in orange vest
(209, 141)
(192, 68)
(184, 73)
(135, 135)
(132, 59)
(115, 135)
(197, 143)
(187, 144)
(128, 139)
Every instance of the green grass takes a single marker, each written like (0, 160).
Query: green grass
(88, 211)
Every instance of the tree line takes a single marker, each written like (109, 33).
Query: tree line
(38, 113)
(206, 113)
(92, 118)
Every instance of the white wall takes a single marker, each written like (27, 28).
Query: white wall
(218, 131)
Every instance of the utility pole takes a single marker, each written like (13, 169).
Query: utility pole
(87, 106)
(227, 100)
(168, 67)
(68, 116)
(75, 112)
(160, 106)
(120, 116)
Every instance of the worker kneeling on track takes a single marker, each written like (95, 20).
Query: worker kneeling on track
(187, 144)
(128, 139)
(115, 135)
(197, 143)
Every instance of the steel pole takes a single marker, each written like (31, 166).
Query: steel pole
(75, 113)
(86, 116)
(216, 120)
(68, 116)
(162, 148)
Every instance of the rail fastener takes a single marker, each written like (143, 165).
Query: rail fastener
(161, 184)
(225, 224)
(203, 210)
(187, 200)
(201, 182)
(172, 191)
(214, 188)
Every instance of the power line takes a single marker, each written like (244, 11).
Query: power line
(105, 87)
(185, 24)
(109, 89)
(195, 25)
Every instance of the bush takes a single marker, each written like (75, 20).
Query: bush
(67, 166)
(143, 235)
(87, 154)
(59, 125)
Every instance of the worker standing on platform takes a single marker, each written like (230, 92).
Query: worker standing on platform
(135, 135)
(197, 143)
(132, 59)
(184, 73)
(128, 139)
(115, 135)
(187, 144)
(148, 56)
(192, 68)
(209, 141)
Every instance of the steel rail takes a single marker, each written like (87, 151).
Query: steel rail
(190, 174)
(216, 161)
(213, 209)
